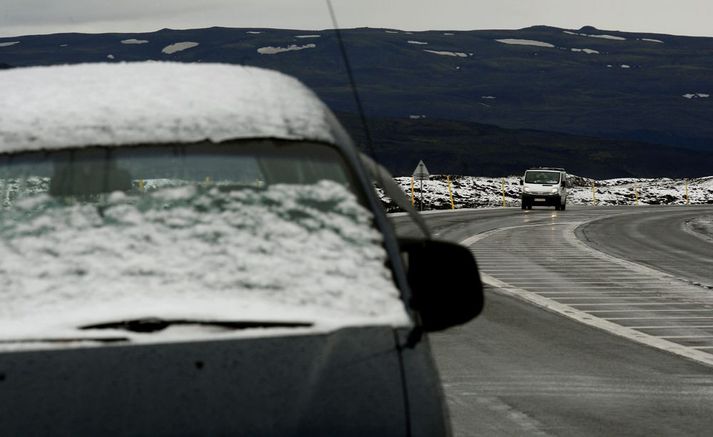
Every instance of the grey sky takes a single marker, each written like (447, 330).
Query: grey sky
(681, 17)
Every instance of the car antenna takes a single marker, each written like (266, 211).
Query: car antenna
(352, 82)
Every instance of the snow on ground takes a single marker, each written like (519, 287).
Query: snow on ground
(288, 252)
(652, 40)
(178, 47)
(696, 96)
(612, 37)
(590, 35)
(9, 43)
(134, 41)
(478, 192)
(307, 36)
(447, 53)
(587, 51)
(423, 43)
(291, 48)
(524, 42)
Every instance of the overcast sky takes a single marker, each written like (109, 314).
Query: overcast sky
(681, 17)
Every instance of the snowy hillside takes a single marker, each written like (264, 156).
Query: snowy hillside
(478, 192)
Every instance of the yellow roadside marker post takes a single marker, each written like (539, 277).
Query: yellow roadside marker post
(450, 193)
(502, 183)
(413, 194)
(594, 195)
(141, 185)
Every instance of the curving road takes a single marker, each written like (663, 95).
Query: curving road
(624, 345)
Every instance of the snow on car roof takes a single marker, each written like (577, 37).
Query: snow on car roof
(153, 102)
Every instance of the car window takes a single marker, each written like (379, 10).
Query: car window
(250, 229)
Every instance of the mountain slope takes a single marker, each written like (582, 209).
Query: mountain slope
(587, 82)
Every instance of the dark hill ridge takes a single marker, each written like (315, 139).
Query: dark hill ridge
(466, 148)
(605, 84)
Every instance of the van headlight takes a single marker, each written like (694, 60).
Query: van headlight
(554, 190)
(527, 189)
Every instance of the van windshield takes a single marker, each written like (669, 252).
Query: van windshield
(542, 177)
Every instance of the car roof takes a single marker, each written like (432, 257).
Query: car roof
(55, 107)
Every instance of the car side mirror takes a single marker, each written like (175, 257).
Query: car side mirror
(444, 281)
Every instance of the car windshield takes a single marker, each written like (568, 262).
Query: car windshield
(250, 229)
(542, 177)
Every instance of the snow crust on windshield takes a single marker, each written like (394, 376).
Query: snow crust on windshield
(285, 253)
(153, 102)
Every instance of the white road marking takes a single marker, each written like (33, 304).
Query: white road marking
(624, 287)
(671, 326)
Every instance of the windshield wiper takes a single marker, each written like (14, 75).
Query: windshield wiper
(155, 324)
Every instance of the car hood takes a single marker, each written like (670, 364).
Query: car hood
(346, 382)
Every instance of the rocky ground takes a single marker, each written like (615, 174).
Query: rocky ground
(480, 192)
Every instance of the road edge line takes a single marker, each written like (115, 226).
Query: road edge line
(582, 317)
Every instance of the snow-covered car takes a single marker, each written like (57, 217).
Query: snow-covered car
(199, 249)
(544, 186)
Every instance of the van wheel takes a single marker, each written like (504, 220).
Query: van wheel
(564, 206)
(557, 207)
(524, 205)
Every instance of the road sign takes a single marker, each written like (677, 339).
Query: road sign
(421, 172)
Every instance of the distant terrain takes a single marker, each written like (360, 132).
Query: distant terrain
(481, 192)
(603, 103)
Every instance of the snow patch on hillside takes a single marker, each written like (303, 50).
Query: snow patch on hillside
(696, 96)
(134, 41)
(418, 42)
(447, 53)
(179, 47)
(651, 40)
(587, 51)
(525, 42)
(9, 43)
(291, 48)
(307, 36)
(600, 36)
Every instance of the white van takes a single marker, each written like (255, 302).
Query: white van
(544, 186)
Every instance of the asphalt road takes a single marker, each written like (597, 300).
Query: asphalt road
(574, 341)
